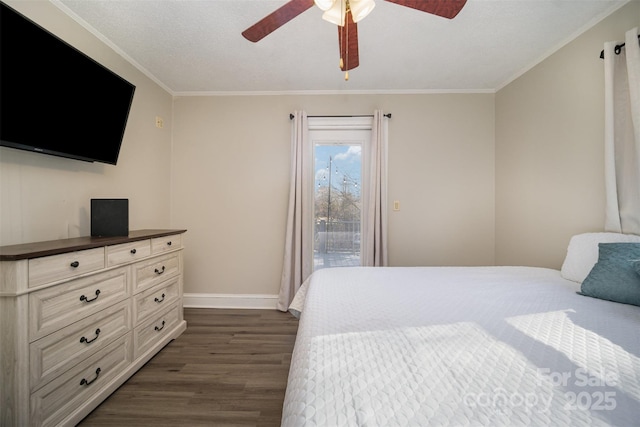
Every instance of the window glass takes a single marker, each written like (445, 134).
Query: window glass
(337, 204)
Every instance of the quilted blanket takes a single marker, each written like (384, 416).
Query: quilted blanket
(460, 346)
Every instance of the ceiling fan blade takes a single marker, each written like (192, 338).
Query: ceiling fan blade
(348, 41)
(276, 19)
(445, 8)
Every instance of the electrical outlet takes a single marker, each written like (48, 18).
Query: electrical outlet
(159, 122)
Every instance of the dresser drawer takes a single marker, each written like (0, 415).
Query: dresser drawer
(56, 400)
(58, 352)
(166, 243)
(56, 307)
(128, 252)
(154, 330)
(64, 266)
(154, 300)
(149, 273)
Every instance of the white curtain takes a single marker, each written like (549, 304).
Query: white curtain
(374, 224)
(622, 135)
(298, 255)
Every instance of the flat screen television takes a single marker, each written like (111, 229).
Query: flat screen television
(55, 99)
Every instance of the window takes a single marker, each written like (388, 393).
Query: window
(337, 205)
(338, 188)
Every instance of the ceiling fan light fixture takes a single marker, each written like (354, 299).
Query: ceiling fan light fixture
(324, 4)
(336, 13)
(361, 8)
(344, 14)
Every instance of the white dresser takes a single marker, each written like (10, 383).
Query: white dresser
(79, 316)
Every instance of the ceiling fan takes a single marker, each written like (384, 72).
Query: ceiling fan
(345, 14)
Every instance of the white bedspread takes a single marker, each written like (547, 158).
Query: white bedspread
(423, 346)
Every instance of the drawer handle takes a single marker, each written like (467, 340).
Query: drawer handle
(85, 299)
(169, 243)
(88, 382)
(159, 328)
(75, 264)
(159, 271)
(159, 300)
(133, 251)
(88, 341)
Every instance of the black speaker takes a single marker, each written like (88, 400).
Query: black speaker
(109, 217)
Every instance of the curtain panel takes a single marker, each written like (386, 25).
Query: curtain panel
(298, 251)
(622, 135)
(374, 231)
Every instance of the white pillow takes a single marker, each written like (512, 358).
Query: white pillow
(582, 253)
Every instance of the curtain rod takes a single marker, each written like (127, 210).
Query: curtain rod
(617, 49)
(388, 115)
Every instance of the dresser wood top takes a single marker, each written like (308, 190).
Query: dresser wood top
(55, 247)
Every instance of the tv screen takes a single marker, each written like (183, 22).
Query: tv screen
(55, 99)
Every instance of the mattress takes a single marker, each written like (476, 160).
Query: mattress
(460, 346)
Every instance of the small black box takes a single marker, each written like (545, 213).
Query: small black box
(109, 217)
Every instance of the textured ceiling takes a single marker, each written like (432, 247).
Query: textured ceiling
(193, 46)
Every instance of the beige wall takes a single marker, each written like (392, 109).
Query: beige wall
(549, 149)
(44, 197)
(231, 181)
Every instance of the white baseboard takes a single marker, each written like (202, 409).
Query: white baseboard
(255, 301)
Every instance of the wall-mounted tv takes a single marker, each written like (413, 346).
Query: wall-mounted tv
(56, 100)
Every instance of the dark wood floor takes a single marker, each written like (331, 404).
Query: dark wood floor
(229, 368)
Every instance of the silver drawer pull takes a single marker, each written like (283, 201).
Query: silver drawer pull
(159, 271)
(75, 264)
(159, 328)
(88, 382)
(89, 341)
(159, 300)
(85, 299)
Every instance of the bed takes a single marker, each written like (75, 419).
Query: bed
(469, 346)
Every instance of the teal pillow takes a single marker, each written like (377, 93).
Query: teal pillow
(615, 277)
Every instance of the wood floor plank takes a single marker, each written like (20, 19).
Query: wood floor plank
(229, 368)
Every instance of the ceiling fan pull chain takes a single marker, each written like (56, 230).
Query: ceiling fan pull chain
(347, 17)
